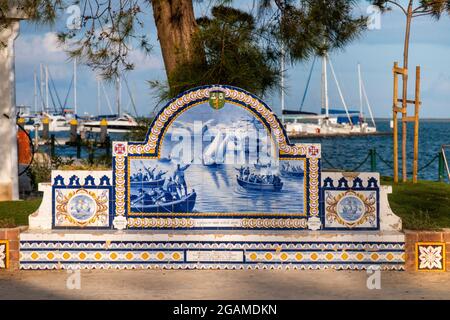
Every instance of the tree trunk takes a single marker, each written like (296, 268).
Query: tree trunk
(176, 26)
(407, 35)
(405, 91)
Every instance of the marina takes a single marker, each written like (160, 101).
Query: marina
(331, 122)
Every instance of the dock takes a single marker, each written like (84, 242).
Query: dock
(303, 135)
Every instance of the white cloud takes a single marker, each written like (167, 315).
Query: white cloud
(39, 47)
(145, 62)
(35, 49)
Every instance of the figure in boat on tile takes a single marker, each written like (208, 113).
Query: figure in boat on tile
(179, 176)
(149, 178)
(259, 182)
(172, 196)
(290, 170)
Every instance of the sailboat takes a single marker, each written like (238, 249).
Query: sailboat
(58, 119)
(119, 123)
(330, 121)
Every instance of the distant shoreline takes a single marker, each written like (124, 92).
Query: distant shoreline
(421, 119)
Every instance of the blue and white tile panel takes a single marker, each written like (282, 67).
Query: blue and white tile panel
(350, 201)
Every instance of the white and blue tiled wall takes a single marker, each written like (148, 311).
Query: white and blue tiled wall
(82, 200)
(350, 201)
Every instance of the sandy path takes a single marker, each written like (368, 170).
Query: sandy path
(154, 284)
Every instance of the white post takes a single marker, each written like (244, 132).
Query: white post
(9, 180)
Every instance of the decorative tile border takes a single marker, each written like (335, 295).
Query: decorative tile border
(212, 223)
(4, 254)
(207, 254)
(430, 256)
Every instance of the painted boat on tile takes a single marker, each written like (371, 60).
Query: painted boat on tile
(259, 186)
(185, 204)
(147, 184)
(292, 174)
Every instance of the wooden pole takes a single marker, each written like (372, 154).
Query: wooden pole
(73, 130)
(416, 126)
(404, 128)
(36, 136)
(395, 128)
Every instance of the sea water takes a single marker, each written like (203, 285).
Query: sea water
(349, 152)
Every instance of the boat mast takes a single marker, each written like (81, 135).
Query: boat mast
(118, 95)
(308, 83)
(360, 92)
(35, 92)
(283, 64)
(325, 103)
(46, 89)
(363, 87)
(75, 100)
(340, 91)
(98, 97)
(42, 87)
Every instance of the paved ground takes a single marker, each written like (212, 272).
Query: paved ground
(153, 284)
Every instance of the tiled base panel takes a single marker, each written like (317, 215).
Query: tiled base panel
(143, 250)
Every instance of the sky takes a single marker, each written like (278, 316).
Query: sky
(376, 50)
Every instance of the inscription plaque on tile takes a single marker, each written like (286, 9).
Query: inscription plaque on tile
(213, 256)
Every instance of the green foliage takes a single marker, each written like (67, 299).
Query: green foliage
(15, 213)
(243, 50)
(311, 27)
(434, 8)
(109, 31)
(425, 205)
(233, 55)
(40, 11)
(41, 171)
(234, 47)
(139, 133)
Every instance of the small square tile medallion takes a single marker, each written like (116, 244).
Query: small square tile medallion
(4, 254)
(430, 256)
(81, 207)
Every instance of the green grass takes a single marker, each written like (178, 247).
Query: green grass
(422, 206)
(15, 213)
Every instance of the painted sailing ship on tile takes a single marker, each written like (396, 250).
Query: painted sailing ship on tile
(217, 160)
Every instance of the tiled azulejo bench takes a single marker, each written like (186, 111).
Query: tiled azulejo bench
(139, 249)
(216, 184)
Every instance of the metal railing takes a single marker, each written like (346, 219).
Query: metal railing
(373, 157)
(443, 163)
